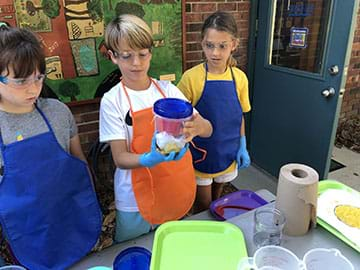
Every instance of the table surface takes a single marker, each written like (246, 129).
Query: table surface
(316, 238)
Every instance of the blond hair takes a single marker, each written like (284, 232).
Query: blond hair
(130, 29)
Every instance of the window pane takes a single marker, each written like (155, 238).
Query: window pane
(299, 34)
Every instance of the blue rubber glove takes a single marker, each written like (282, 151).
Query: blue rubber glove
(242, 157)
(154, 157)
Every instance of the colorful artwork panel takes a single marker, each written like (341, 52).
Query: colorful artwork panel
(72, 35)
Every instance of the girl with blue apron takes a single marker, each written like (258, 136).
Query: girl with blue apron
(219, 103)
(49, 212)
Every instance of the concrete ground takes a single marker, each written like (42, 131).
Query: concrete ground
(253, 178)
(350, 174)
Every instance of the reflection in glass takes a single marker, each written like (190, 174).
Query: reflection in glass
(299, 34)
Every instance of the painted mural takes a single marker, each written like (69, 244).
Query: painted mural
(72, 35)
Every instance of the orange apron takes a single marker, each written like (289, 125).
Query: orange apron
(167, 190)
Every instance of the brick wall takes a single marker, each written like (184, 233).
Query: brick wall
(87, 119)
(198, 10)
(351, 100)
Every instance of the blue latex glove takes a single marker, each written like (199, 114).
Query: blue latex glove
(154, 157)
(242, 157)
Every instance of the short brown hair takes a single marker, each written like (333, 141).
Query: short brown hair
(21, 51)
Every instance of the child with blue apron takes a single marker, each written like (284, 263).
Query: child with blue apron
(48, 208)
(49, 212)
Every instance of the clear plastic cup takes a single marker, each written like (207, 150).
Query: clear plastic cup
(170, 115)
(329, 259)
(272, 258)
(268, 226)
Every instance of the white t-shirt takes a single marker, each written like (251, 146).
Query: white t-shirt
(116, 124)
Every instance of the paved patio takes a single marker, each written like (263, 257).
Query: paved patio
(254, 178)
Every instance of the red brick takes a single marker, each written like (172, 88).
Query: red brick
(244, 6)
(194, 27)
(194, 17)
(203, 7)
(193, 37)
(194, 56)
(88, 126)
(227, 7)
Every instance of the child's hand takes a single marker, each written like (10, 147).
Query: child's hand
(242, 157)
(154, 157)
(197, 126)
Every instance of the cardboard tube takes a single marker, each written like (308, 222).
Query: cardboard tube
(296, 197)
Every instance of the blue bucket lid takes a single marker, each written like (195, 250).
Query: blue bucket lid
(173, 108)
(133, 258)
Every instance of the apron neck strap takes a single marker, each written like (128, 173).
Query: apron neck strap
(44, 117)
(231, 70)
(128, 97)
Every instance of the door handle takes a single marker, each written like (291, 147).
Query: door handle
(333, 70)
(328, 92)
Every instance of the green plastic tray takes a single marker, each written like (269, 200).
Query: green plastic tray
(194, 245)
(332, 184)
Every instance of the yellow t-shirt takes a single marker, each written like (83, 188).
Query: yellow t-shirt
(192, 85)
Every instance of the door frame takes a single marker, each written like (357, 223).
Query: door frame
(251, 57)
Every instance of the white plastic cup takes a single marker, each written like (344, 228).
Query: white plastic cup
(329, 259)
(272, 258)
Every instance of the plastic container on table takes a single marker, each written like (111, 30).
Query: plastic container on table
(194, 245)
(133, 258)
(279, 258)
(170, 114)
(272, 257)
(235, 203)
(329, 259)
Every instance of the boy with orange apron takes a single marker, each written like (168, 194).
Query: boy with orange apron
(150, 188)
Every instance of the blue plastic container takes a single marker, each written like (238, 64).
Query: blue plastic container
(133, 258)
(170, 113)
(173, 108)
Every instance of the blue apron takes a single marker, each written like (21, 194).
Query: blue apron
(219, 103)
(48, 208)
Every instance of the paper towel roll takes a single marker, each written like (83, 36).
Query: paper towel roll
(296, 197)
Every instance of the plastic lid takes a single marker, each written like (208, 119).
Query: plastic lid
(174, 108)
(133, 258)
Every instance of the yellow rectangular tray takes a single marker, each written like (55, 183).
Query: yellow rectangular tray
(194, 245)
